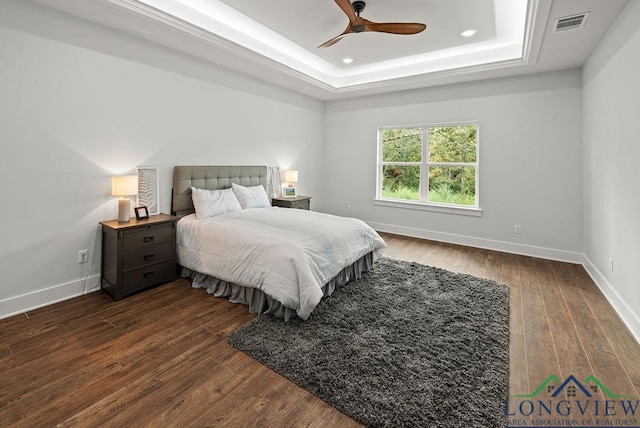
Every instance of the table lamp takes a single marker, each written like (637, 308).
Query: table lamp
(124, 186)
(290, 177)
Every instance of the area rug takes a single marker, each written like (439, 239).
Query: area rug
(406, 345)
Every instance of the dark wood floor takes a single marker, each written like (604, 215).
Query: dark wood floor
(160, 358)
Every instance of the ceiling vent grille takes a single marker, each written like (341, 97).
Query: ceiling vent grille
(572, 22)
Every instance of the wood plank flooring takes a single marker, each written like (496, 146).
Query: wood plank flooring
(160, 357)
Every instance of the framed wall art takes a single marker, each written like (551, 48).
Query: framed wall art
(148, 189)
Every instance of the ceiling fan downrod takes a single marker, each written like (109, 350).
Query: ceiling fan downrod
(358, 6)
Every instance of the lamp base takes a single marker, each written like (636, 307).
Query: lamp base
(124, 210)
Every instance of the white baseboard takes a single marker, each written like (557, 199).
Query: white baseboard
(630, 318)
(37, 299)
(488, 244)
(57, 293)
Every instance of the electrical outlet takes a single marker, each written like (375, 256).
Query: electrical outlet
(517, 229)
(83, 256)
(611, 264)
(348, 208)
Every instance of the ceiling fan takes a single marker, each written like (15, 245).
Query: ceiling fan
(359, 25)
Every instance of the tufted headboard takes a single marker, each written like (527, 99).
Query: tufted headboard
(210, 178)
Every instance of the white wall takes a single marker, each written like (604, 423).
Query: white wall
(530, 161)
(611, 173)
(80, 102)
(72, 113)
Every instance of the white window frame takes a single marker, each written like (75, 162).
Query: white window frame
(423, 203)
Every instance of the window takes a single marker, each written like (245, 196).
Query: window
(430, 165)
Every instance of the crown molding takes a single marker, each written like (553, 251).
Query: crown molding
(316, 78)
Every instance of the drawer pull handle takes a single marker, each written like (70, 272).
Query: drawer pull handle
(148, 238)
(149, 256)
(148, 274)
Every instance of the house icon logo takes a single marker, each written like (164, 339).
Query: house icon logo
(571, 386)
(571, 402)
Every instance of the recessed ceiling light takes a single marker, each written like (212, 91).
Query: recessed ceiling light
(468, 33)
(347, 60)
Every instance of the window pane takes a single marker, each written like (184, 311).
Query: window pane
(402, 145)
(401, 182)
(453, 143)
(452, 185)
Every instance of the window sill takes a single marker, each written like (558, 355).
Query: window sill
(449, 209)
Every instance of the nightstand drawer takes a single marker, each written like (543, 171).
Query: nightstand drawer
(147, 237)
(147, 256)
(301, 205)
(146, 276)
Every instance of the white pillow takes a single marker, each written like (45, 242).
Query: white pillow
(210, 203)
(251, 197)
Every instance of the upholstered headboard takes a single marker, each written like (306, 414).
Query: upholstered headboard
(210, 178)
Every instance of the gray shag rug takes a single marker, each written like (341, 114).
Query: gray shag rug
(405, 345)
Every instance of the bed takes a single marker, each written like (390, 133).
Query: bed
(277, 261)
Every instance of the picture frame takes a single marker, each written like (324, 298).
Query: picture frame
(289, 192)
(141, 212)
(149, 189)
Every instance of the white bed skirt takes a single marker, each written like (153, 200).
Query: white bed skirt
(261, 303)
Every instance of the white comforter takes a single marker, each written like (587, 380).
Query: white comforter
(289, 254)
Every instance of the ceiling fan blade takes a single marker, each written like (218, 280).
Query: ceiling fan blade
(394, 27)
(332, 41)
(337, 38)
(346, 7)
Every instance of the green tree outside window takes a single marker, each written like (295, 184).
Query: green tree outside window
(433, 164)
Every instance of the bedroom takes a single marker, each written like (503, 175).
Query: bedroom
(93, 102)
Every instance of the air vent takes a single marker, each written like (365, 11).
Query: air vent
(572, 22)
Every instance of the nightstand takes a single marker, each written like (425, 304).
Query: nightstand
(138, 254)
(299, 202)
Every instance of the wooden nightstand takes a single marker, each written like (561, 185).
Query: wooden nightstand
(299, 202)
(138, 254)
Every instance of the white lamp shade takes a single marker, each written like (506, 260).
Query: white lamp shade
(124, 185)
(291, 176)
